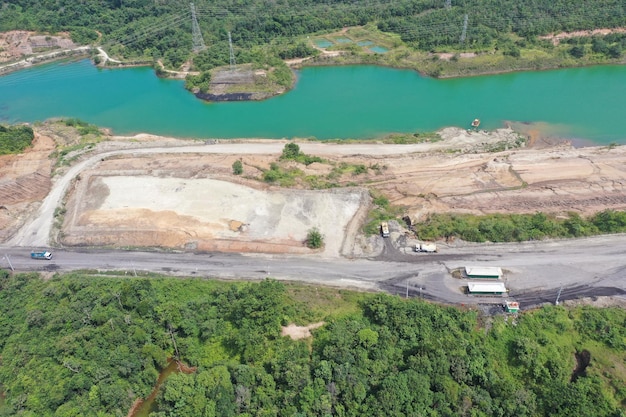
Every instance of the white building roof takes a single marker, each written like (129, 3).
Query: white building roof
(486, 287)
(483, 271)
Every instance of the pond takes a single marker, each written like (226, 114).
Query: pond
(323, 43)
(378, 49)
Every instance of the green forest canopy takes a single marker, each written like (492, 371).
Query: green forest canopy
(14, 139)
(162, 29)
(82, 344)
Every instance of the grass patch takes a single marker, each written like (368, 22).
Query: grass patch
(402, 138)
(88, 136)
(281, 176)
(324, 302)
(381, 211)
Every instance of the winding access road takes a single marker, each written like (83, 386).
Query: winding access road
(535, 272)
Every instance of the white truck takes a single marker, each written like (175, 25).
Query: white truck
(384, 229)
(428, 247)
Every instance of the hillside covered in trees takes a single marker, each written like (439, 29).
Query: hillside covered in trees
(90, 345)
(161, 30)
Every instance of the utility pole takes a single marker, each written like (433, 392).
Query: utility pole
(232, 53)
(558, 295)
(464, 33)
(6, 255)
(196, 36)
(407, 288)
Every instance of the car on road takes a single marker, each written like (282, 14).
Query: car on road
(41, 255)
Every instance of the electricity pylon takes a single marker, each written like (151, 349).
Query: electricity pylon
(196, 35)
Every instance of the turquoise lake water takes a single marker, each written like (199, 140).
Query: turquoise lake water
(326, 103)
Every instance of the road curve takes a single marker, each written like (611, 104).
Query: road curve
(36, 230)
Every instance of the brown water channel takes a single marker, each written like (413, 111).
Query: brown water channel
(147, 406)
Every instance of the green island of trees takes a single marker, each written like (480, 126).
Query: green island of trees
(90, 345)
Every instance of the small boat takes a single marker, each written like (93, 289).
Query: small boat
(476, 123)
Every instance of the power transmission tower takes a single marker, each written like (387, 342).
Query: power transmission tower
(464, 33)
(196, 35)
(232, 53)
(448, 4)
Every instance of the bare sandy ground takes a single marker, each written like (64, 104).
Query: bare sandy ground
(206, 214)
(19, 43)
(300, 332)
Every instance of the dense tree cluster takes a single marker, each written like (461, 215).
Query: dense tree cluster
(90, 345)
(519, 227)
(14, 139)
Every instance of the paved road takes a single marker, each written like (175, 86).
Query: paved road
(534, 272)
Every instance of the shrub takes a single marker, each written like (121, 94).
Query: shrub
(201, 81)
(577, 51)
(291, 151)
(314, 239)
(237, 167)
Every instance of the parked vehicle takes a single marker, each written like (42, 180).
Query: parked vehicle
(41, 255)
(384, 229)
(426, 247)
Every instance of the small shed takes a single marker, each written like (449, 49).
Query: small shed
(490, 272)
(486, 288)
(511, 306)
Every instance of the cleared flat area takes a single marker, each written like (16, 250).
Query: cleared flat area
(207, 214)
